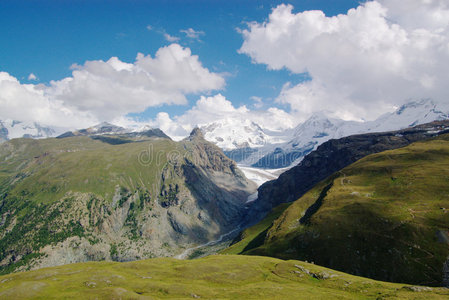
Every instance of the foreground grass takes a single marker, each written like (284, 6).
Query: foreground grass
(213, 277)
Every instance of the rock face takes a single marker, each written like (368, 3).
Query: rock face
(80, 198)
(331, 157)
(446, 274)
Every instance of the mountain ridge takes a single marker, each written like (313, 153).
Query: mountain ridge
(283, 149)
(383, 216)
(79, 199)
(332, 156)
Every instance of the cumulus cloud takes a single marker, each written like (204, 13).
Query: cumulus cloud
(217, 107)
(193, 34)
(28, 102)
(362, 63)
(108, 90)
(113, 88)
(32, 77)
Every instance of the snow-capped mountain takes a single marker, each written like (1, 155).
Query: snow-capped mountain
(319, 129)
(251, 145)
(10, 129)
(102, 128)
(230, 134)
(410, 114)
(304, 139)
(105, 128)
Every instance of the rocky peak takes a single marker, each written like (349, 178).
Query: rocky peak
(196, 133)
(106, 127)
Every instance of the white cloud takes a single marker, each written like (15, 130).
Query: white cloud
(28, 102)
(108, 90)
(258, 103)
(115, 88)
(362, 63)
(170, 38)
(32, 77)
(193, 34)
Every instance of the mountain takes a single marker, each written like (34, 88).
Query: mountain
(249, 144)
(235, 133)
(409, 115)
(213, 277)
(113, 197)
(331, 157)
(242, 140)
(99, 129)
(114, 134)
(305, 138)
(10, 129)
(319, 128)
(384, 216)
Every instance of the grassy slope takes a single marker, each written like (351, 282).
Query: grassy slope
(253, 236)
(79, 164)
(35, 174)
(213, 277)
(380, 217)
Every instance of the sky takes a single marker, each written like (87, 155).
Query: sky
(176, 64)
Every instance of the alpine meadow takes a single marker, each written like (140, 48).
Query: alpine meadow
(224, 149)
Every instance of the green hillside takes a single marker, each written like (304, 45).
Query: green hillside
(121, 198)
(213, 277)
(254, 235)
(45, 170)
(385, 217)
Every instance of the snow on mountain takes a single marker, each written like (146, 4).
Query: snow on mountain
(10, 129)
(142, 128)
(230, 134)
(99, 129)
(260, 176)
(105, 128)
(251, 145)
(319, 129)
(408, 115)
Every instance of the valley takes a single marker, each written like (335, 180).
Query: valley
(224, 149)
(109, 195)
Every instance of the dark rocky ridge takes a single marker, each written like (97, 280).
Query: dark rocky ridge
(331, 157)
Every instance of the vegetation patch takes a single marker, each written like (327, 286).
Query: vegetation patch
(213, 277)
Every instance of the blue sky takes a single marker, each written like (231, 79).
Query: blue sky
(275, 63)
(46, 37)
